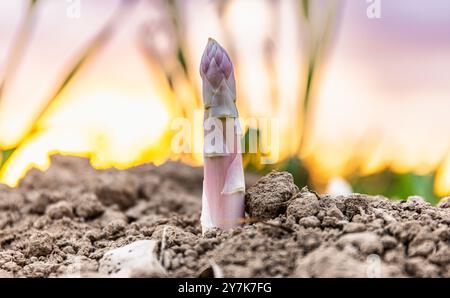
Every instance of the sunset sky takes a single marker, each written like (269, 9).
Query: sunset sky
(382, 98)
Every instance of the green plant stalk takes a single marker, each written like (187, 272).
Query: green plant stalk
(19, 45)
(315, 56)
(86, 55)
(181, 48)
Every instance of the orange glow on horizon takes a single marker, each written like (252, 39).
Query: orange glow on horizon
(116, 131)
(379, 102)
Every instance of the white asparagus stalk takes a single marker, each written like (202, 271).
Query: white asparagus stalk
(223, 184)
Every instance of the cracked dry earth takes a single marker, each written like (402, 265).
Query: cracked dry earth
(65, 220)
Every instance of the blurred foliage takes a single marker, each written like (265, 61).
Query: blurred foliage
(19, 45)
(396, 186)
(305, 8)
(295, 166)
(5, 156)
(292, 165)
(252, 162)
(14, 58)
(85, 55)
(182, 60)
(387, 183)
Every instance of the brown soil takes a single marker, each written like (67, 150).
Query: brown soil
(72, 215)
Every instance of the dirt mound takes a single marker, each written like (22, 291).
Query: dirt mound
(62, 221)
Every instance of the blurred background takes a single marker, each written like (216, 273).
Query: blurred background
(361, 88)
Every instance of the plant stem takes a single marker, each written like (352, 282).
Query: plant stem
(19, 45)
(85, 56)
